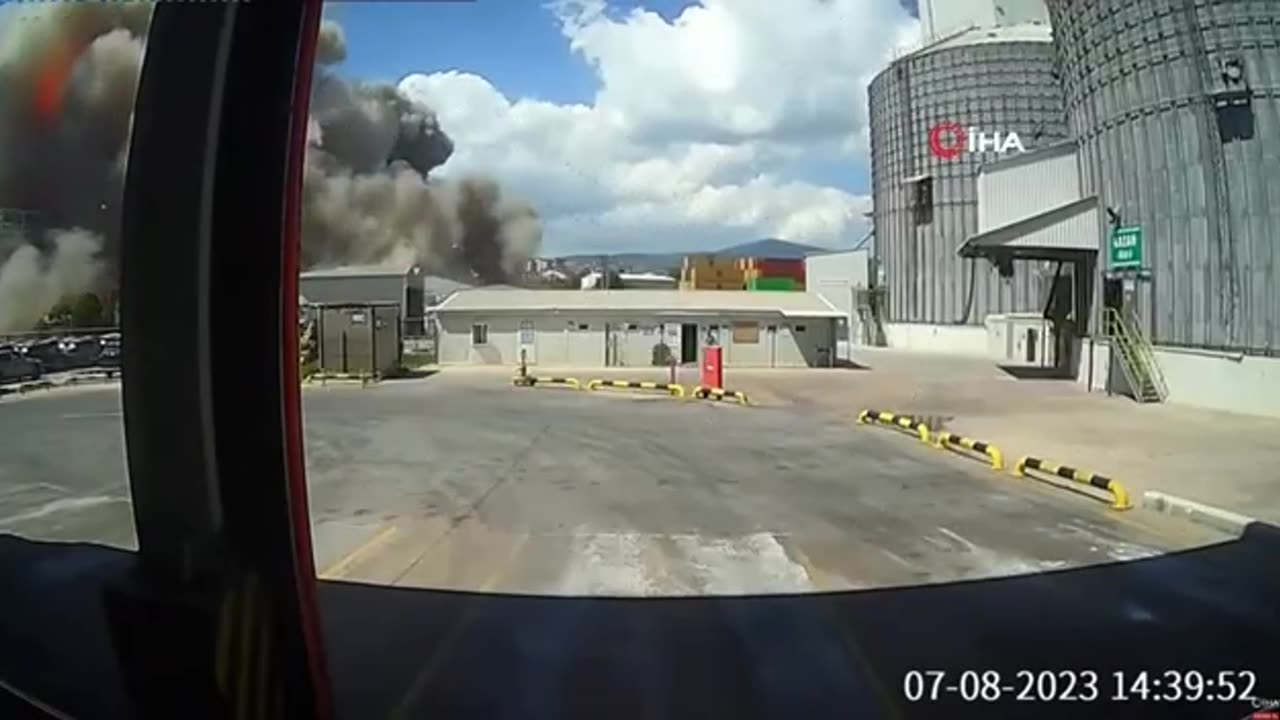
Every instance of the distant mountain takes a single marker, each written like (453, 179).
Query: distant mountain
(769, 248)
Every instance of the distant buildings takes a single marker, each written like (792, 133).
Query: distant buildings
(627, 281)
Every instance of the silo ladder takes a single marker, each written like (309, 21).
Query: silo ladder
(1137, 359)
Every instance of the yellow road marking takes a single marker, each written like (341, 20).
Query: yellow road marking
(342, 566)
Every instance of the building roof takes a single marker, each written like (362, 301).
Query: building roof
(1035, 155)
(834, 253)
(437, 285)
(1053, 234)
(658, 302)
(352, 286)
(975, 35)
(358, 271)
(655, 277)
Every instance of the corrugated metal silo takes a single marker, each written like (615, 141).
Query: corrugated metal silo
(999, 79)
(1176, 104)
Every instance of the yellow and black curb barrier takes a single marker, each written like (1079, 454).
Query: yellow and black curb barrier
(946, 440)
(1120, 496)
(906, 422)
(674, 390)
(531, 381)
(703, 392)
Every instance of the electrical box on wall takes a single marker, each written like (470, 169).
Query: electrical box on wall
(1021, 340)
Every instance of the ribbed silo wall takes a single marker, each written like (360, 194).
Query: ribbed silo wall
(994, 86)
(1140, 78)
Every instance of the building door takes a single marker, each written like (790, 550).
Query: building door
(1112, 299)
(771, 337)
(615, 343)
(688, 343)
(526, 342)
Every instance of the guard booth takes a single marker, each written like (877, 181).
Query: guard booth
(361, 340)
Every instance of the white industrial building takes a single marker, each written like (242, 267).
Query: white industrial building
(635, 328)
(842, 279)
(630, 281)
(939, 18)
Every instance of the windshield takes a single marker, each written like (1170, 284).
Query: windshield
(703, 298)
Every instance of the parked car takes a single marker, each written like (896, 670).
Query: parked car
(48, 352)
(109, 355)
(65, 353)
(82, 352)
(17, 367)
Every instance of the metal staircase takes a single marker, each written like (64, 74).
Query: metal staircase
(1137, 359)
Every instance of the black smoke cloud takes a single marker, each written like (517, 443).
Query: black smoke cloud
(369, 197)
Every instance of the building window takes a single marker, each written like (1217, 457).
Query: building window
(584, 326)
(746, 333)
(922, 201)
(480, 334)
(799, 328)
(1235, 119)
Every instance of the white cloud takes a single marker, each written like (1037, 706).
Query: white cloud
(684, 142)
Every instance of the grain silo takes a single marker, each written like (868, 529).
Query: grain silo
(937, 115)
(1176, 107)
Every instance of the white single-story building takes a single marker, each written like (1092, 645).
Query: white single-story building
(635, 328)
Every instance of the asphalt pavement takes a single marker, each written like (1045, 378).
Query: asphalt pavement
(642, 557)
(465, 482)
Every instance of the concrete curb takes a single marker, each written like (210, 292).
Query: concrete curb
(1209, 515)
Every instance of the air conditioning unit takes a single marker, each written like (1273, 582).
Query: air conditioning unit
(1021, 340)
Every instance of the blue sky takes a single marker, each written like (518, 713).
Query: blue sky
(517, 45)
(520, 50)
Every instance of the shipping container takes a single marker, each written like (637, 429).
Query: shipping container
(781, 268)
(773, 283)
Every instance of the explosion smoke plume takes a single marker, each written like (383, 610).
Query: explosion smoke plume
(68, 77)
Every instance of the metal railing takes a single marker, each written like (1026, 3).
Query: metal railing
(1137, 357)
(22, 336)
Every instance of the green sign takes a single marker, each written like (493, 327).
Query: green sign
(1126, 247)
